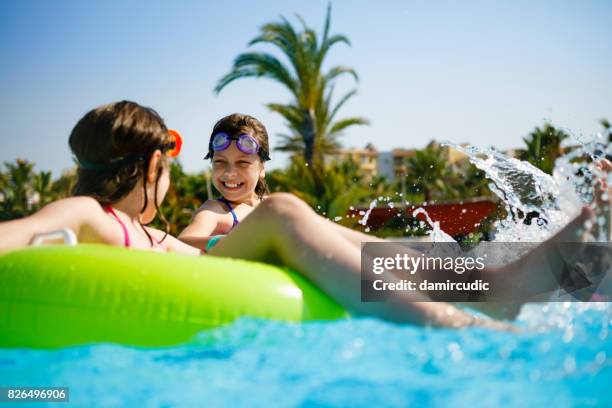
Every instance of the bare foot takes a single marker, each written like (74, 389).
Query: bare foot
(534, 276)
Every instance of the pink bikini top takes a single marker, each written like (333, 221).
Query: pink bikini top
(126, 235)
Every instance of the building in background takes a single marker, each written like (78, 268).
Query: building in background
(390, 164)
(366, 158)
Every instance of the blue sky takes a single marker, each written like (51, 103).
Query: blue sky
(480, 72)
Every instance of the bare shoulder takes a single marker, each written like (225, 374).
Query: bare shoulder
(82, 202)
(80, 207)
(215, 206)
(83, 215)
(204, 220)
(210, 207)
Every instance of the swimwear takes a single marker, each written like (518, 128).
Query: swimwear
(231, 210)
(212, 242)
(215, 238)
(126, 235)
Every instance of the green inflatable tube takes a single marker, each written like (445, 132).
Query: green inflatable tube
(58, 296)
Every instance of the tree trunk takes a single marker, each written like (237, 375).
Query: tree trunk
(309, 134)
(309, 152)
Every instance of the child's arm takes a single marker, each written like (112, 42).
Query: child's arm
(203, 224)
(67, 213)
(176, 245)
(171, 243)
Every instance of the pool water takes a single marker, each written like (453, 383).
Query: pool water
(563, 358)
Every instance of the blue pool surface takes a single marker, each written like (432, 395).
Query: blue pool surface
(563, 358)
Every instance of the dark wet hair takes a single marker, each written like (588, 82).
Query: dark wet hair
(237, 124)
(113, 145)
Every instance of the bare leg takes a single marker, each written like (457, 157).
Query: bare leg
(517, 275)
(287, 227)
(354, 237)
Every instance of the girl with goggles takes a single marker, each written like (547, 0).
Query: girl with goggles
(238, 149)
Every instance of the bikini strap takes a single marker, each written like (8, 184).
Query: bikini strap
(126, 235)
(231, 210)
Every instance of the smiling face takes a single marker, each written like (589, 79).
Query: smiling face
(235, 174)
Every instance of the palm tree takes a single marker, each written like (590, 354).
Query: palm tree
(311, 114)
(471, 182)
(42, 187)
(17, 191)
(427, 172)
(543, 147)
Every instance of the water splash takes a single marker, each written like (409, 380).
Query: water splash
(366, 214)
(537, 204)
(436, 233)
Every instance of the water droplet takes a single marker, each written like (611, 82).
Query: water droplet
(535, 375)
(568, 335)
(457, 355)
(569, 364)
(545, 346)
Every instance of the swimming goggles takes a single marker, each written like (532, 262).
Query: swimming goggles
(172, 147)
(245, 143)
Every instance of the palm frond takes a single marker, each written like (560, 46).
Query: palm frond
(291, 113)
(281, 34)
(254, 64)
(327, 44)
(340, 70)
(290, 143)
(347, 122)
(340, 103)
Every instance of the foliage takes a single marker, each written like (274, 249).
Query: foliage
(311, 115)
(186, 194)
(342, 185)
(543, 147)
(22, 190)
(428, 173)
(607, 129)
(470, 182)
